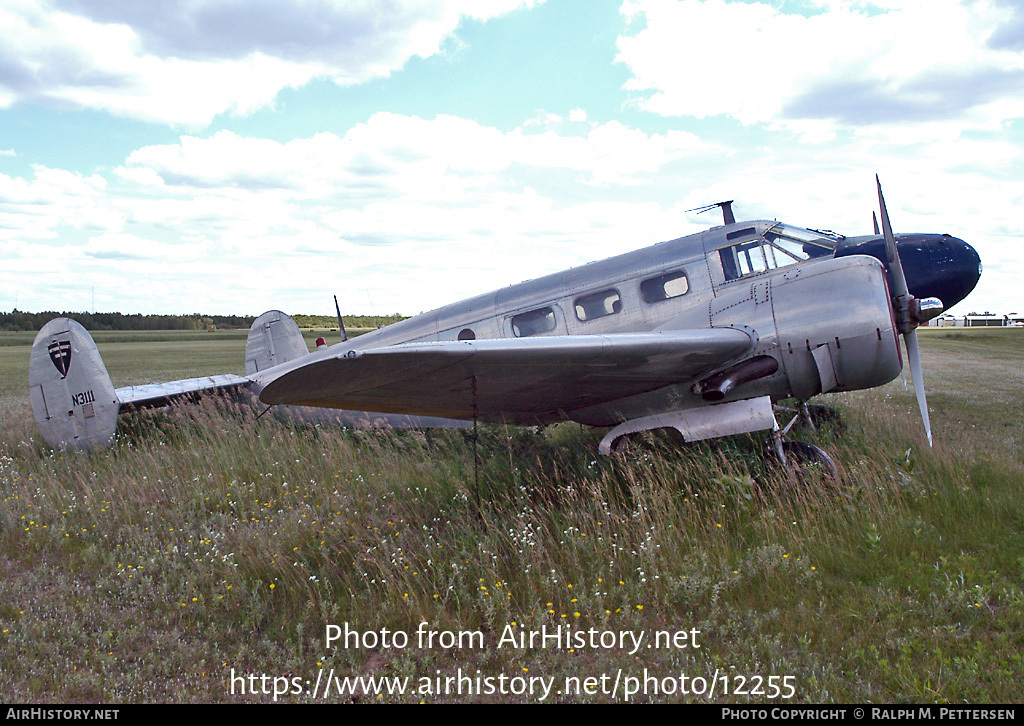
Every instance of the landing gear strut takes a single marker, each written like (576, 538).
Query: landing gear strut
(800, 457)
(815, 416)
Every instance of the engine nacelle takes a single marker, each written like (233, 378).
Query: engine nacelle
(834, 325)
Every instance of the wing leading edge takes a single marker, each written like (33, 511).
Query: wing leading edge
(527, 380)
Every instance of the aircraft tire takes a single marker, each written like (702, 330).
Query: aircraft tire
(802, 459)
(826, 417)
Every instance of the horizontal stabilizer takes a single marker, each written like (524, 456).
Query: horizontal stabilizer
(160, 394)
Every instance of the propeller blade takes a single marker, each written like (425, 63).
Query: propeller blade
(914, 356)
(897, 280)
(902, 302)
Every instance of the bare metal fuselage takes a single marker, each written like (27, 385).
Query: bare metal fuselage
(827, 322)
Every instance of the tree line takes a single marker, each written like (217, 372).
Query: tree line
(351, 321)
(17, 320)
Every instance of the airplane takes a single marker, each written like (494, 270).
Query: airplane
(702, 335)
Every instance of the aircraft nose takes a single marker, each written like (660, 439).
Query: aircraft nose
(939, 265)
(959, 269)
(935, 265)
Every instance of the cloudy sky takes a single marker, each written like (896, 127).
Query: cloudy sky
(232, 156)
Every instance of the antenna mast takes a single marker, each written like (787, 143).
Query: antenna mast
(727, 214)
(341, 324)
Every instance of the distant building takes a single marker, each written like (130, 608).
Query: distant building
(987, 320)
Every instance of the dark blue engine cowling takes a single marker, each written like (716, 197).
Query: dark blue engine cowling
(935, 265)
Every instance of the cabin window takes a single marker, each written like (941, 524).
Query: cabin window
(467, 334)
(534, 322)
(664, 287)
(598, 304)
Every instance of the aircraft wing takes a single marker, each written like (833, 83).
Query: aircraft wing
(520, 380)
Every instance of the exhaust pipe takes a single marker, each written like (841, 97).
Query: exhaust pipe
(722, 384)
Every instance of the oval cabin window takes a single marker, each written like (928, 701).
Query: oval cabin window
(664, 287)
(598, 305)
(534, 322)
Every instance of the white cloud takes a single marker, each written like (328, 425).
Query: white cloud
(854, 64)
(392, 155)
(399, 205)
(186, 62)
(34, 209)
(412, 213)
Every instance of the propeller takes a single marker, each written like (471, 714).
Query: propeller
(910, 311)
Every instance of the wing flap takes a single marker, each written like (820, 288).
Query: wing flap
(519, 380)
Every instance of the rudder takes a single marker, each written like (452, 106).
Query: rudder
(73, 399)
(274, 338)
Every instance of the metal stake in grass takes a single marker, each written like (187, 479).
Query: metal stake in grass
(476, 458)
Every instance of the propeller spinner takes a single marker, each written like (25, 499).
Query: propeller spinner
(910, 311)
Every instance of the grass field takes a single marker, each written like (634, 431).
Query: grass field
(204, 545)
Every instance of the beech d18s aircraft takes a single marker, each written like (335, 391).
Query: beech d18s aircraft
(699, 334)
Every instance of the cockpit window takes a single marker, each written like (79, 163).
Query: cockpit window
(801, 244)
(534, 322)
(780, 246)
(746, 258)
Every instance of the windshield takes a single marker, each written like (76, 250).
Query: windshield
(779, 246)
(799, 243)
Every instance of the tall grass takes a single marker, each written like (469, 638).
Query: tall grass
(205, 541)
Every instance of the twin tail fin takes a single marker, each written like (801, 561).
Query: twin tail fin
(75, 402)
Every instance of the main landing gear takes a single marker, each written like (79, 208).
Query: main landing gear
(728, 419)
(799, 457)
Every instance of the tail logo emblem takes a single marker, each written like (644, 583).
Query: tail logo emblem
(60, 354)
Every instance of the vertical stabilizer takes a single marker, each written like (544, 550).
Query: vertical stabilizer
(274, 338)
(72, 397)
